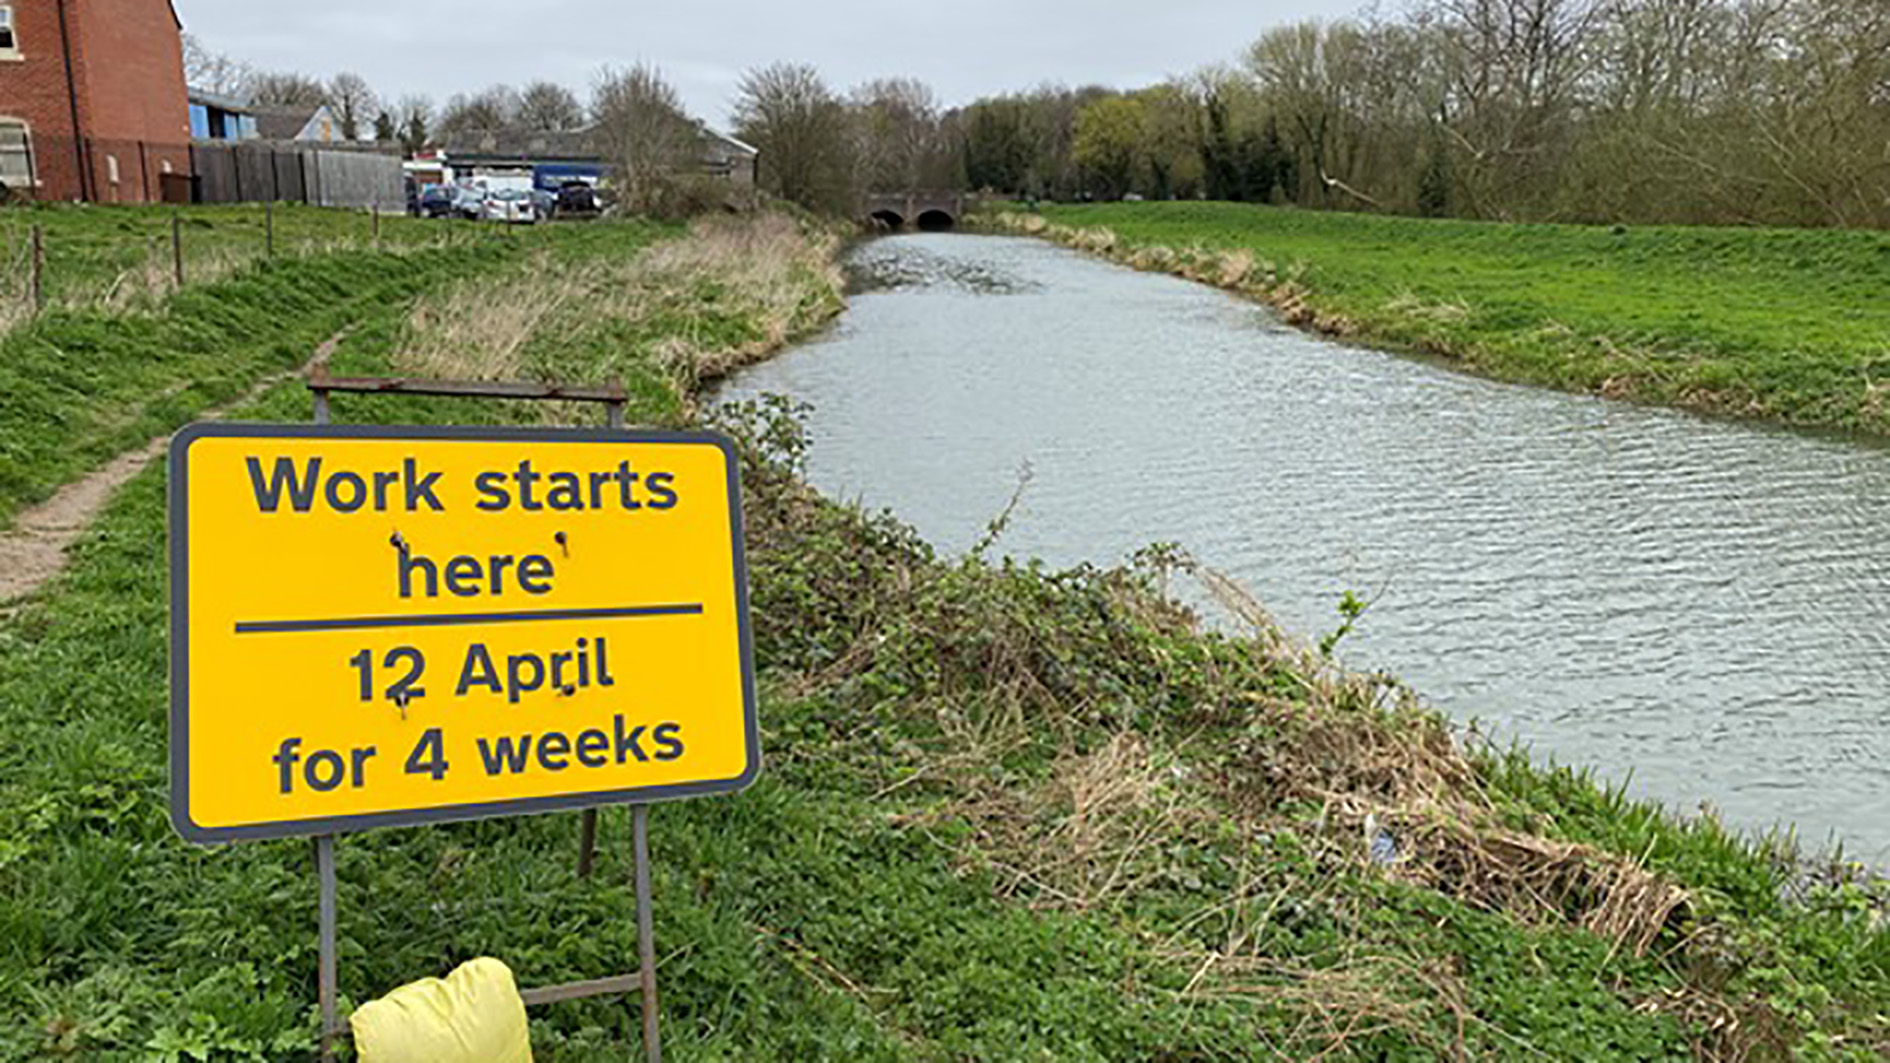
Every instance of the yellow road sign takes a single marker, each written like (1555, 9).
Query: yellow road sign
(385, 626)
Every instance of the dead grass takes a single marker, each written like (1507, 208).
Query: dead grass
(478, 329)
(1409, 305)
(1348, 1002)
(730, 292)
(1363, 750)
(1081, 838)
(778, 271)
(1333, 758)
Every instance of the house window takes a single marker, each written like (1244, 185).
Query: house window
(16, 154)
(9, 41)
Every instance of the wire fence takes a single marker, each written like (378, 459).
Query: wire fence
(130, 260)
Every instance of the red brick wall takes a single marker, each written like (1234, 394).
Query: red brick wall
(33, 89)
(134, 104)
(128, 69)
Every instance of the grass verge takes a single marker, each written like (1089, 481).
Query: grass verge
(88, 380)
(1008, 814)
(1784, 325)
(120, 258)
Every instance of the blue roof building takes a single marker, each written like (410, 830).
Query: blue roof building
(215, 117)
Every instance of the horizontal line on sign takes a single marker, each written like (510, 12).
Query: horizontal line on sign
(288, 627)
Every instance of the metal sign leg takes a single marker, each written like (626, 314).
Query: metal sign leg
(325, 871)
(587, 842)
(614, 398)
(646, 939)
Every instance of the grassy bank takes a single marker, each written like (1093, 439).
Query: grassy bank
(120, 257)
(665, 322)
(95, 376)
(1788, 325)
(1007, 814)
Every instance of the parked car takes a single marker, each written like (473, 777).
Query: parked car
(470, 203)
(545, 203)
(512, 205)
(580, 199)
(435, 201)
(451, 201)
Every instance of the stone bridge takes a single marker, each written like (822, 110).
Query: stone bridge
(924, 211)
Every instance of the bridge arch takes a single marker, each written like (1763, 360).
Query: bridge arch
(927, 211)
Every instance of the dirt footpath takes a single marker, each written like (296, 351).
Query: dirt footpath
(33, 551)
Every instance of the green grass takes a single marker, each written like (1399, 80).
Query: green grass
(79, 385)
(1792, 325)
(90, 249)
(1007, 814)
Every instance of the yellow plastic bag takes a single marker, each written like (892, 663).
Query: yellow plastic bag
(473, 1015)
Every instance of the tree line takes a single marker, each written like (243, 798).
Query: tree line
(1691, 111)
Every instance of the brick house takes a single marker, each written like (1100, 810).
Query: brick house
(92, 99)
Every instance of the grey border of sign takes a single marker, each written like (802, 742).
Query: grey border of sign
(180, 633)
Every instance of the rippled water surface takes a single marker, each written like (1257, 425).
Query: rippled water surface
(1695, 604)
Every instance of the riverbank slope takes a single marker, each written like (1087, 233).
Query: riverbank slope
(1006, 814)
(122, 354)
(1775, 324)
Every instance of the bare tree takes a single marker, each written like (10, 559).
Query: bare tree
(282, 89)
(1516, 73)
(414, 118)
(1304, 93)
(212, 72)
(801, 129)
(353, 102)
(899, 136)
(486, 111)
(549, 107)
(653, 144)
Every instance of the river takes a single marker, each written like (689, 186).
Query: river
(1693, 606)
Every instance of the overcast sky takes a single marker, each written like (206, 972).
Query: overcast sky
(965, 49)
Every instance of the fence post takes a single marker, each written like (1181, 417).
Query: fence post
(177, 249)
(269, 226)
(39, 268)
(375, 210)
